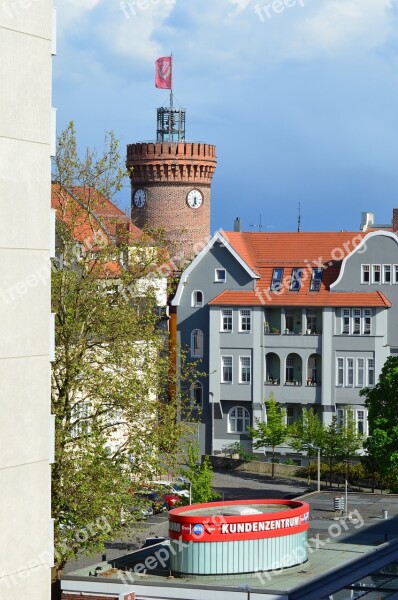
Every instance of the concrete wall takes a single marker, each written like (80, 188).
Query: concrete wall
(25, 135)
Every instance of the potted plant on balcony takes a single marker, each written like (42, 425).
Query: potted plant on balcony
(308, 331)
(275, 331)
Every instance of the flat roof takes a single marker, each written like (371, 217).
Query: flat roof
(338, 549)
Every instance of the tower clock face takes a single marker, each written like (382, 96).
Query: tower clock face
(139, 198)
(194, 199)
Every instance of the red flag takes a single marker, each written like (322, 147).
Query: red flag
(163, 76)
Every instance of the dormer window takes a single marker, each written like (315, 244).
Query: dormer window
(316, 279)
(276, 283)
(295, 282)
(197, 298)
(220, 275)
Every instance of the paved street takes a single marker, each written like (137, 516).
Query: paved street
(231, 486)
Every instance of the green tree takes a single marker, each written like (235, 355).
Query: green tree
(273, 431)
(200, 474)
(332, 448)
(381, 402)
(307, 432)
(113, 393)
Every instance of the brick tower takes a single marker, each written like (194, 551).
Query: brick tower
(170, 184)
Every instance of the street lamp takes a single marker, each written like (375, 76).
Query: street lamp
(312, 447)
(212, 422)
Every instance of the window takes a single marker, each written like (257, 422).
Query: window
(238, 420)
(387, 274)
(357, 321)
(346, 321)
(311, 321)
(340, 418)
(289, 322)
(197, 343)
(226, 319)
(340, 371)
(295, 282)
(289, 415)
(316, 279)
(361, 422)
(371, 372)
(197, 394)
(276, 283)
(376, 274)
(360, 372)
(80, 419)
(395, 273)
(367, 321)
(289, 369)
(365, 274)
(220, 275)
(245, 369)
(245, 320)
(197, 298)
(350, 372)
(226, 369)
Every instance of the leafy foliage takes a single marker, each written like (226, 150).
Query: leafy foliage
(273, 432)
(114, 396)
(200, 474)
(382, 445)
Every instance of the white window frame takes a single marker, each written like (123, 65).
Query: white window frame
(220, 275)
(367, 314)
(296, 279)
(376, 269)
(247, 317)
(370, 369)
(276, 282)
(197, 346)
(345, 313)
(395, 274)
(340, 370)
(231, 366)
(197, 385)
(340, 418)
(363, 420)
(236, 414)
(385, 269)
(356, 314)
(350, 369)
(245, 376)
(365, 268)
(315, 284)
(194, 301)
(358, 369)
(289, 415)
(226, 318)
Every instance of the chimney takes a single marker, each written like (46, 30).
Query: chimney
(367, 220)
(395, 219)
(237, 224)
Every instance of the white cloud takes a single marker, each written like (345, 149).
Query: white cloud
(340, 25)
(136, 31)
(70, 10)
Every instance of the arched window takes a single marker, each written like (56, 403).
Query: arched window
(238, 420)
(197, 298)
(197, 393)
(197, 343)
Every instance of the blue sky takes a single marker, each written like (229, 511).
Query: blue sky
(299, 96)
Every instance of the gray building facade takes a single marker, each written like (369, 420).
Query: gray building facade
(308, 317)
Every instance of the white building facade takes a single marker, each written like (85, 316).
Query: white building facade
(26, 335)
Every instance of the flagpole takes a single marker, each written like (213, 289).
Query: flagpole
(171, 89)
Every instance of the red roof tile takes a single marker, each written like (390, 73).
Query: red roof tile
(263, 252)
(338, 299)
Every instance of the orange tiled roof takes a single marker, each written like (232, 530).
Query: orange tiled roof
(335, 299)
(265, 251)
(103, 222)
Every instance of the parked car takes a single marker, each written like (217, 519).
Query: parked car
(171, 487)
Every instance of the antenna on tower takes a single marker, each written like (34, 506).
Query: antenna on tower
(299, 218)
(261, 226)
